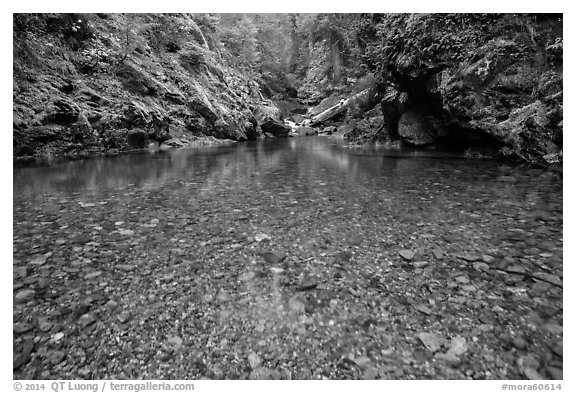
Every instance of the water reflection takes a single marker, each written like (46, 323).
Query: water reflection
(309, 162)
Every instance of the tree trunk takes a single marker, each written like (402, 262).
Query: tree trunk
(336, 61)
(294, 45)
(343, 105)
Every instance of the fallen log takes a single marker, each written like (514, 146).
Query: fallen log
(338, 108)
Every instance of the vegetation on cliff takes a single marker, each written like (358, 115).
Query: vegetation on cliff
(490, 77)
(101, 82)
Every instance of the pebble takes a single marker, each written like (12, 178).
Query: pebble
(43, 283)
(92, 275)
(362, 361)
(488, 258)
(518, 269)
(24, 356)
(370, 373)
(459, 299)
(450, 359)
(85, 372)
(24, 295)
(86, 320)
(296, 304)
(458, 346)
(481, 266)
(20, 271)
(420, 264)
(307, 283)
(438, 254)
(550, 278)
(55, 357)
(519, 343)
(406, 254)
(462, 279)
(20, 328)
(469, 257)
(125, 267)
(555, 373)
(124, 317)
(44, 324)
(57, 337)
(553, 328)
(527, 361)
(254, 360)
(558, 348)
(260, 237)
(532, 374)
(111, 305)
(247, 276)
(274, 257)
(423, 309)
(39, 260)
(176, 342)
(30, 280)
(431, 341)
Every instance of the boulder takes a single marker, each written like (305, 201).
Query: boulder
(137, 139)
(62, 111)
(298, 118)
(269, 120)
(174, 143)
(415, 128)
(227, 129)
(328, 130)
(251, 130)
(345, 130)
(306, 131)
(525, 131)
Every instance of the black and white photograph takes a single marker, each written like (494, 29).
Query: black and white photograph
(286, 196)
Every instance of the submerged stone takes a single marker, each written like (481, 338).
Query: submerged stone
(407, 254)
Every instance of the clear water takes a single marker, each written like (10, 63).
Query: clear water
(194, 226)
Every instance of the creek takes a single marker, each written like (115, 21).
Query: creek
(269, 250)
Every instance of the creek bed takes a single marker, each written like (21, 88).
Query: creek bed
(288, 259)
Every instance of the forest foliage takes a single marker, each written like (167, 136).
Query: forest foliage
(283, 45)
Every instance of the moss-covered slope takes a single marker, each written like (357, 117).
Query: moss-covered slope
(94, 83)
